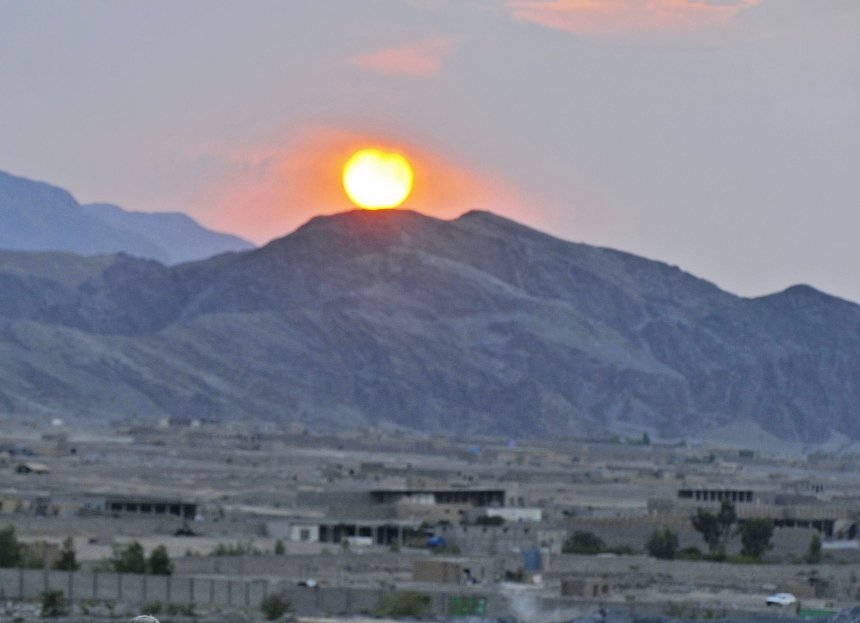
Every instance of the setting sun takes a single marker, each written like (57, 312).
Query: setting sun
(375, 179)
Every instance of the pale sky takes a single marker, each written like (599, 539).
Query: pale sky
(719, 135)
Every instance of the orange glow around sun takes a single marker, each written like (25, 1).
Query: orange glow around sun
(377, 180)
(270, 188)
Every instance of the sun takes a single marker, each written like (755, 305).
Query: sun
(376, 180)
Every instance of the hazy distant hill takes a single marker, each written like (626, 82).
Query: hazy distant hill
(35, 216)
(472, 325)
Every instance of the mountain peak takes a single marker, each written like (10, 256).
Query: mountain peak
(359, 217)
(37, 216)
(399, 218)
(804, 294)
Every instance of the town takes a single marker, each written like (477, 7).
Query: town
(194, 516)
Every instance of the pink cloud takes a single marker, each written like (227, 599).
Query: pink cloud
(608, 17)
(418, 60)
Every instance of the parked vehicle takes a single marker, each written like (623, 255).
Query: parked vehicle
(781, 600)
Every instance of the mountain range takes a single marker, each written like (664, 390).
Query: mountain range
(36, 216)
(394, 319)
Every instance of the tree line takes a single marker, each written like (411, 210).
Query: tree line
(717, 529)
(127, 558)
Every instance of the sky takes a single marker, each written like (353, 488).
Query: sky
(722, 136)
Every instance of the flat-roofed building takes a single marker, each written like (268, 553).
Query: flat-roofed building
(124, 504)
(329, 530)
(737, 496)
(427, 496)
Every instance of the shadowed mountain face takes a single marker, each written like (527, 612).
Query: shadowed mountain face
(35, 216)
(473, 325)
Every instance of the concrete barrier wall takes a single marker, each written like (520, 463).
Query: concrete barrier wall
(131, 588)
(700, 572)
(338, 601)
(300, 566)
(140, 590)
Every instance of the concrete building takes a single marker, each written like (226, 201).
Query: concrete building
(437, 571)
(514, 537)
(29, 503)
(465, 497)
(329, 530)
(786, 510)
(737, 496)
(402, 504)
(118, 505)
(457, 570)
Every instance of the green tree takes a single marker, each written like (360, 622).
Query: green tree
(129, 558)
(715, 528)
(159, 562)
(662, 544)
(755, 537)
(706, 523)
(68, 560)
(280, 550)
(726, 518)
(581, 542)
(813, 553)
(10, 549)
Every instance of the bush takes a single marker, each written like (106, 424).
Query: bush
(152, 608)
(54, 604)
(717, 556)
(235, 549)
(402, 604)
(274, 606)
(620, 550)
(583, 543)
(662, 544)
(742, 559)
(183, 610)
(280, 550)
(689, 553)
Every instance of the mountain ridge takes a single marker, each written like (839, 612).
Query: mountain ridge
(474, 325)
(37, 216)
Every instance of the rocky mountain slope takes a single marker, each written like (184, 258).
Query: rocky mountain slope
(35, 216)
(475, 325)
